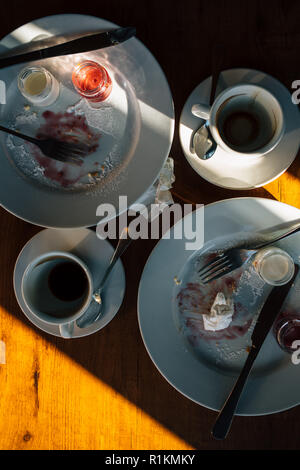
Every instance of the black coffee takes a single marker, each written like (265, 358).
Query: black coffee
(245, 125)
(67, 281)
(240, 129)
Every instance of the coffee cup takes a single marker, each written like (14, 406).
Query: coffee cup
(57, 288)
(244, 120)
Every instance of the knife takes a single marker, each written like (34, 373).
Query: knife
(263, 325)
(78, 45)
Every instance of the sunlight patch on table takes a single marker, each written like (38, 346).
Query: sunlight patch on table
(285, 189)
(78, 398)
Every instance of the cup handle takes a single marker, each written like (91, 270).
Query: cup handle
(201, 110)
(66, 330)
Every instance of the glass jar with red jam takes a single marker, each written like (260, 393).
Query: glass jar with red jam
(92, 81)
(287, 332)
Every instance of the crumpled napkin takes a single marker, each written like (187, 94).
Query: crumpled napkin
(221, 314)
(159, 193)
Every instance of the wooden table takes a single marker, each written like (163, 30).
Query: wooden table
(103, 392)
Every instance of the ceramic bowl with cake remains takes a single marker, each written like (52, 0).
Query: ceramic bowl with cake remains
(129, 135)
(202, 363)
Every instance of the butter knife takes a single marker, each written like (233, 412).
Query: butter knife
(263, 325)
(84, 43)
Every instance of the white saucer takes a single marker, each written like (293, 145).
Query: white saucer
(94, 252)
(224, 170)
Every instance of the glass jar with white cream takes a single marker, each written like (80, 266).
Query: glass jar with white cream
(38, 85)
(274, 265)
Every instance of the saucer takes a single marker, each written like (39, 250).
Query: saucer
(205, 368)
(225, 170)
(94, 252)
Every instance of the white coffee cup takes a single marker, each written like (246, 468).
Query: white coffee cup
(43, 303)
(244, 120)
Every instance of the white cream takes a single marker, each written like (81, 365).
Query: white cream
(35, 83)
(221, 314)
(275, 268)
(38, 85)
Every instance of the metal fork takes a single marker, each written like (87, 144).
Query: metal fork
(66, 152)
(223, 264)
(229, 260)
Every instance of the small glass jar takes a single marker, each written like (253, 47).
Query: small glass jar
(38, 85)
(287, 331)
(274, 266)
(92, 81)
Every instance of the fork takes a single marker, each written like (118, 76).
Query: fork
(229, 260)
(66, 152)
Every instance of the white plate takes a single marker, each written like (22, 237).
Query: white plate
(94, 252)
(225, 170)
(274, 384)
(136, 131)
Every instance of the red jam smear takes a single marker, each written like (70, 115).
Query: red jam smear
(193, 298)
(196, 299)
(66, 127)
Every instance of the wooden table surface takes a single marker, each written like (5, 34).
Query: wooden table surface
(103, 391)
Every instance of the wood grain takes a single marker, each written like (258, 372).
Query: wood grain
(103, 392)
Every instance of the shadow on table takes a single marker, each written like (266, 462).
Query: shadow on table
(294, 169)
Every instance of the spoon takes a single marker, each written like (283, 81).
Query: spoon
(202, 141)
(95, 309)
